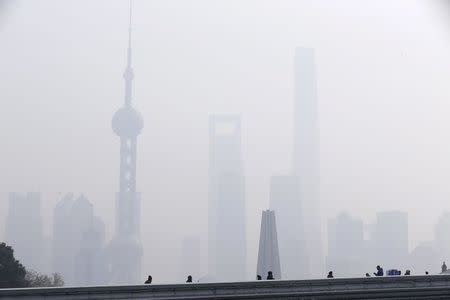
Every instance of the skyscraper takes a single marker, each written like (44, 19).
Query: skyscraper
(78, 249)
(346, 253)
(91, 264)
(306, 155)
(23, 229)
(227, 228)
(126, 247)
(389, 240)
(285, 201)
(64, 246)
(442, 237)
(268, 255)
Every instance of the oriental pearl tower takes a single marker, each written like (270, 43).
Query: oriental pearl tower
(126, 247)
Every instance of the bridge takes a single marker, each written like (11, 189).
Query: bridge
(396, 287)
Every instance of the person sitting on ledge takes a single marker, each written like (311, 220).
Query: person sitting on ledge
(189, 279)
(330, 274)
(367, 275)
(269, 276)
(258, 277)
(149, 280)
(407, 272)
(379, 271)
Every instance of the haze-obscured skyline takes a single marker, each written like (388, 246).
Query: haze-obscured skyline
(383, 89)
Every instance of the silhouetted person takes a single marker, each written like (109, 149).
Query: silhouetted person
(269, 276)
(426, 272)
(330, 274)
(444, 267)
(379, 271)
(367, 275)
(407, 272)
(189, 279)
(258, 277)
(149, 280)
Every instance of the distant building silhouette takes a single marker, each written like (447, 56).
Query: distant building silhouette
(423, 258)
(227, 225)
(442, 236)
(285, 201)
(78, 250)
(268, 255)
(91, 264)
(24, 230)
(64, 247)
(389, 239)
(346, 253)
(126, 247)
(306, 155)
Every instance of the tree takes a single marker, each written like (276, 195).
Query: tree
(57, 279)
(12, 272)
(36, 279)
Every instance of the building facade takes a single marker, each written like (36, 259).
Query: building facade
(24, 230)
(227, 227)
(306, 155)
(285, 201)
(389, 240)
(346, 248)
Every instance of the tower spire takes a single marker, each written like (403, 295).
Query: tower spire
(128, 75)
(126, 246)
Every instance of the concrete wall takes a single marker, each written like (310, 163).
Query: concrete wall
(404, 287)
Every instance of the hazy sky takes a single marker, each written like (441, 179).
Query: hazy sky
(384, 97)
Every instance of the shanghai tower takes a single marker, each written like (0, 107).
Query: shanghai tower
(126, 247)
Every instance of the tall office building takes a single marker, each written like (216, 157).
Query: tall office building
(389, 240)
(91, 264)
(442, 237)
(268, 254)
(346, 255)
(77, 234)
(227, 232)
(306, 155)
(64, 246)
(285, 201)
(126, 246)
(23, 229)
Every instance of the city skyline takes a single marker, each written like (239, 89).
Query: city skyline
(391, 151)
